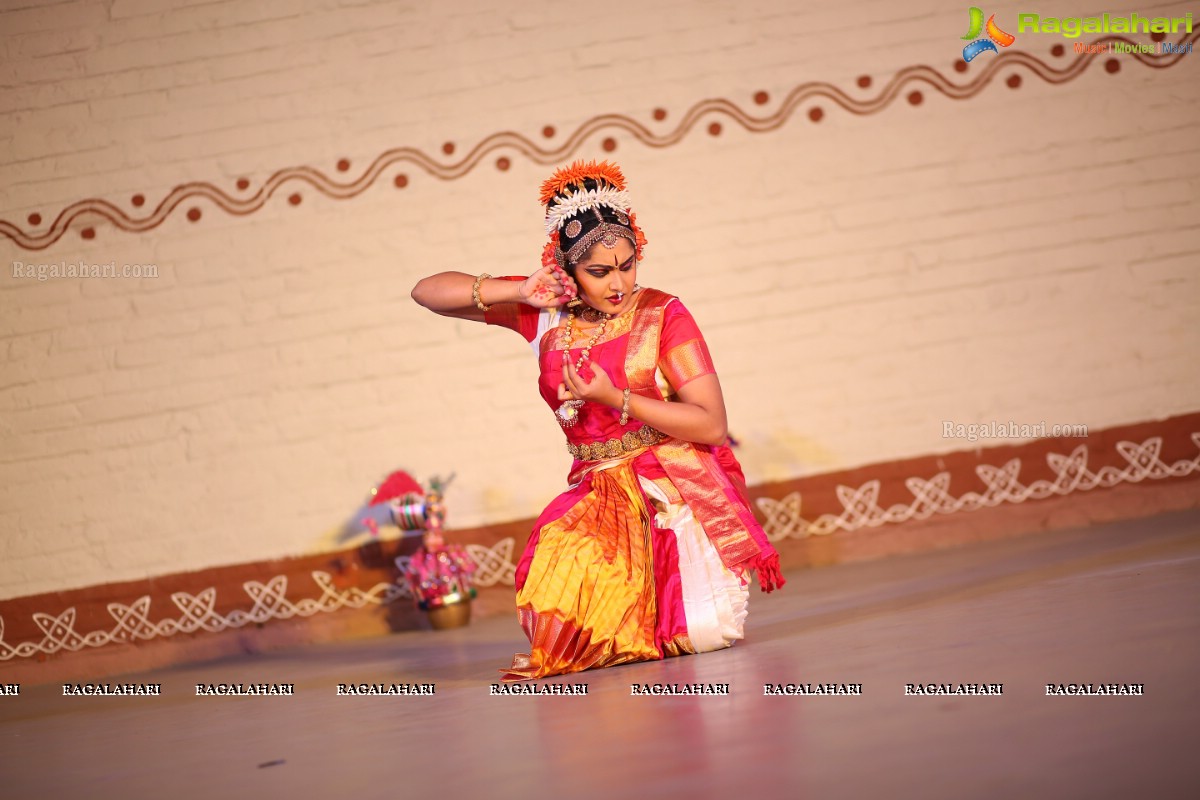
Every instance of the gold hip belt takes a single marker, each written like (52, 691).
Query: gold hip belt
(611, 448)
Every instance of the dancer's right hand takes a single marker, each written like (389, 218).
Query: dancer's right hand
(547, 287)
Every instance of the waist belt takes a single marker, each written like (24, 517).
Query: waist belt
(611, 448)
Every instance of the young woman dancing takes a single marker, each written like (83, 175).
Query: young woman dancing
(648, 552)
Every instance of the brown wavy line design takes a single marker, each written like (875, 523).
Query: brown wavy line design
(507, 141)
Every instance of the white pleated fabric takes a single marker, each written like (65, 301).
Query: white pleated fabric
(715, 600)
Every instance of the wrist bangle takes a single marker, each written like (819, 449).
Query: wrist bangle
(475, 293)
(625, 407)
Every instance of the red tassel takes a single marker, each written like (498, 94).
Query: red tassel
(769, 576)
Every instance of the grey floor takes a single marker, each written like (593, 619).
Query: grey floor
(1112, 603)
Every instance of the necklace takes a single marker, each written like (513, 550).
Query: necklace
(568, 412)
(589, 314)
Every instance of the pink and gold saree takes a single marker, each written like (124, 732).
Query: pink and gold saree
(647, 554)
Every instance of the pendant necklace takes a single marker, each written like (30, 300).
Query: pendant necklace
(568, 412)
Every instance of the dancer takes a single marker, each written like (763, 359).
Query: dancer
(648, 552)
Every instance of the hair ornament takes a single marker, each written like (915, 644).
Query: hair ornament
(586, 200)
(574, 175)
(586, 203)
(552, 254)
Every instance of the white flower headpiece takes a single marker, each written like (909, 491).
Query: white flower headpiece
(558, 214)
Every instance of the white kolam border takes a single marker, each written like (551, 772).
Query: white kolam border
(861, 507)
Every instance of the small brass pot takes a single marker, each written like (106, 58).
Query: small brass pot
(451, 615)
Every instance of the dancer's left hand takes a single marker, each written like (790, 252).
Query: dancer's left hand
(599, 389)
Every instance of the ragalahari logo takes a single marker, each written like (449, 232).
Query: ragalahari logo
(995, 36)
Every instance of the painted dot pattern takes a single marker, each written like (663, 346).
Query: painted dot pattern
(728, 111)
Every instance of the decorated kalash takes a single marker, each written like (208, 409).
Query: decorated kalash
(438, 574)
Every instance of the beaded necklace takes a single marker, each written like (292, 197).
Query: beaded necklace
(568, 412)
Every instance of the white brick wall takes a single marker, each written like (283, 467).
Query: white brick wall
(1021, 255)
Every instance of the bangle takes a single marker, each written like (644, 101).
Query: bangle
(475, 293)
(625, 407)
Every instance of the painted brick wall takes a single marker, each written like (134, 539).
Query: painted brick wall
(1027, 253)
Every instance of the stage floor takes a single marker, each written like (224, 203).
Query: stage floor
(1111, 604)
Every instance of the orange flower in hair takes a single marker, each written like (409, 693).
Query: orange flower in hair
(638, 235)
(577, 173)
(549, 259)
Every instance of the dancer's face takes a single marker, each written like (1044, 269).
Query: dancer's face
(606, 276)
